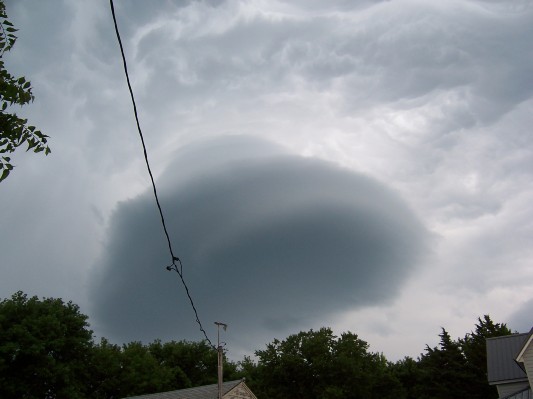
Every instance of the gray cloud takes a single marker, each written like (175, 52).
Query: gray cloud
(522, 319)
(453, 59)
(269, 242)
(433, 99)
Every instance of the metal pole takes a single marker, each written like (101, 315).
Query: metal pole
(219, 356)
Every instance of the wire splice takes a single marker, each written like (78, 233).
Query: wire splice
(175, 259)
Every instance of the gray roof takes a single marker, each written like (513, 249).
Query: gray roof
(203, 392)
(501, 355)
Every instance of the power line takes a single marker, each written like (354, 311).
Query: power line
(174, 259)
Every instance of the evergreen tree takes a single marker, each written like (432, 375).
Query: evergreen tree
(443, 370)
(458, 368)
(474, 349)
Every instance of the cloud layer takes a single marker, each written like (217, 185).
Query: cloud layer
(269, 241)
(432, 99)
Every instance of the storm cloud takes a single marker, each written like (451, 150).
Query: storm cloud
(429, 101)
(269, 241)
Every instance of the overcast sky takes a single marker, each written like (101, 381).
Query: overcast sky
(364, 165)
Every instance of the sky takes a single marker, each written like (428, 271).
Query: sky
(362, 165)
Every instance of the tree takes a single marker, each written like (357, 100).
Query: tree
(14, 131)
(443, 370)
(407, 372)
(105, 371)
(474, 347)
(317, 364)
(458, 368)
(193, 363)
(44, 348)
(141, 373)
(136, 369)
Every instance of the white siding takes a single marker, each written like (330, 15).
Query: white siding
(528, 363)
(507, 389)
(241, 391)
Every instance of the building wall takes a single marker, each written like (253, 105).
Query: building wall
(528, 363)
(241, 391)
(507, 389)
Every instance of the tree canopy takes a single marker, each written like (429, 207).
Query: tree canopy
(45, 346)
(318, 364)
(47, 351)
(455, 368)
(14, 130)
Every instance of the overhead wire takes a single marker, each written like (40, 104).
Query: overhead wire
(175, 261)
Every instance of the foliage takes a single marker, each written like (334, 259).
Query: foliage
(407, 372)
(106, 369)
(474, 349)
(45, 346)
(141, 372)
(193, 363)
(458, 368)
(136, 369)
(14, 131)
(443, 370)
(47, 351)
(317, 364)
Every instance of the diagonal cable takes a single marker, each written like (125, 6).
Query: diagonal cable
(175, 259)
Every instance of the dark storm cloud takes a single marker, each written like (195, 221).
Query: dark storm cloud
(269, 242)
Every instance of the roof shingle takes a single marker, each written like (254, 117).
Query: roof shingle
(501, 355)
(202, 392)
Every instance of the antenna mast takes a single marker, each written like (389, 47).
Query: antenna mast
(220, 357)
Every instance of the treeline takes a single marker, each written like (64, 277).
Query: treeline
(47, 351)
(317, 364)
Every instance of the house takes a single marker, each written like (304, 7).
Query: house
(510, 365)
(230, 390)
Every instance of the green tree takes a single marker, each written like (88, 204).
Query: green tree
(45, 346)
(474, 347)
(458, 368)
(141, 373)
(407, 372)
(175, 357)
(443, 370)
(106, 370)
(14, 131)
(248, 369)
(317, 364)
(192, 363)
(136, 369)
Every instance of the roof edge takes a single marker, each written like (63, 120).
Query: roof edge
(501, 382)
(520, 356)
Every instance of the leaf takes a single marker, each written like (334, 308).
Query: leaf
(14, 131)
(4, 174)
(31, 143)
